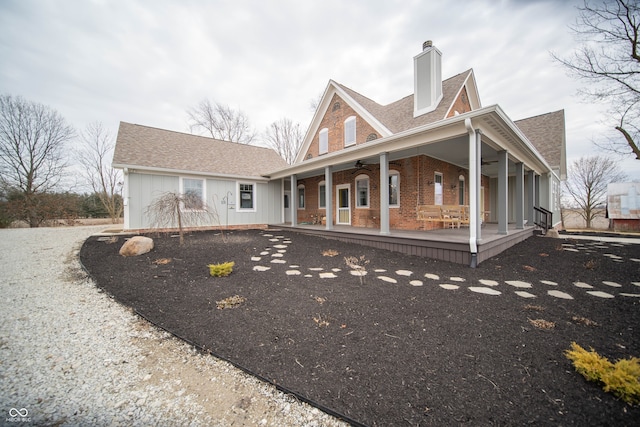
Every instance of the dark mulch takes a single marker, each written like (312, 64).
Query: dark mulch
(395, 354)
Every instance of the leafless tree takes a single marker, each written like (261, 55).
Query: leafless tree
(221, 122)
(32, 138)
(285, 138)
(95, 156)
(171, 210)
(586, 184)
(608, 60)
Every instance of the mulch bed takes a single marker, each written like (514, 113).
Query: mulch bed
(381, 353)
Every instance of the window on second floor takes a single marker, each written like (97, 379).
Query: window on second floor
(350, 131)
(323, 146)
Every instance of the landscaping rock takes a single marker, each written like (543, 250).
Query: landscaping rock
(136, 245)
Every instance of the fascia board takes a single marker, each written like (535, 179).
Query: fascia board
(182, 172)
(315, 123)
(364, 113)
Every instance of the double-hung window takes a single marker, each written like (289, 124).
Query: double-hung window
(192, 194)
(323, 147)
(362, 191)
(246, 196)
(350, 131)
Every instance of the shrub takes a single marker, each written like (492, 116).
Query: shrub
(221, 270)
(620, 378)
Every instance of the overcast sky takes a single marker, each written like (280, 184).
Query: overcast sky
(148, 61)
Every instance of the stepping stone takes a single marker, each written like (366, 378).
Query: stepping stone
(336, 270)
(601, 247)
(379, 270)
(559, 294)
(327, 275)
(256, 258)
(612, 284)
(316, 268)
(571, 249)
(264, 253)
(277, 255)
(483, 290)
(617, 260)
(268, 235)
(278, 261)
(293, 272)
(635, 283)
(308, 275)
(281, 251)
(358, 273)
(432, 276)
(449, 287)
(524, 294)
(583, 285)
(281, 237)
(387, 279)
(456, 279)
(404, 273)
(549, 282)
(488, 282)
(280, 246)
(261, 268)
(600, 294)
(274, 240)
(635, 259)
(518, 284)
(416, 283)
(612, 256)
(294, 266)
(630, 295)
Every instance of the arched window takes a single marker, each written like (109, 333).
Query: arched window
(301, 197)
(362, 191)
(394, 189)
(350, 131)
(461, 190)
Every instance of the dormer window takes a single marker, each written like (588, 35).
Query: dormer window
(350, 131)
(323, 147)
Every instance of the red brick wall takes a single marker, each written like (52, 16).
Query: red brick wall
(461, 104)
(417, 176)
(333, 120)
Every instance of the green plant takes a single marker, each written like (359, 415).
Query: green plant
(221, 270)
(620, 378)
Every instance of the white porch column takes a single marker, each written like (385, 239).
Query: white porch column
(531, 188)
(520, 195)
(474, 190)
(328, 194)
(503, 192)
(294, 200)
(384, 193)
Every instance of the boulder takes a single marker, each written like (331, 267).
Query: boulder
(553, 233)
(136, 245)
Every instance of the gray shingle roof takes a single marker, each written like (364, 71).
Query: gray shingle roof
(150, 147)
(547, 133)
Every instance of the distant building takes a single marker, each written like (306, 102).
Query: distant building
(623, 206)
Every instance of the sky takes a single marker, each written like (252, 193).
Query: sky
(149, 61)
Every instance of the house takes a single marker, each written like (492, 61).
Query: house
(623, 206)
(434, 173)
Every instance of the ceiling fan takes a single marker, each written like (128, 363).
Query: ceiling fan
(484, 162)
(359, 166)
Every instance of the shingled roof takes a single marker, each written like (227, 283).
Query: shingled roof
(153, 148)
(547, 133)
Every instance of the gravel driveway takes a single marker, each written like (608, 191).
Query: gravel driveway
(69, 355)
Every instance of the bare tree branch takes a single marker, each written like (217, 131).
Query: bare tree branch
(221, 122)
(285, 138)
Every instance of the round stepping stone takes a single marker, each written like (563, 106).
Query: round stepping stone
(524, 294)
(549, 282)
(327, 275)
(256, 258)
(404, 273)
(449, 287)
(635, 259)
(416, 283)
(278, 261)
(358, 273)
(600, 294)
(280, 246)
(559, 294)
(281, 251)
(274, 240)
(379, 270)
(387, 279)
(518, 284)
(483, 290)
(316, 268)
(277, 255)
(612, 284)
(268, 235)
(487, 282)
(264, 253)
(294, 266)
(629, 295)
(456, 279)
(308, 275)
(293, 272)
(336, 270)
(280, 237)
(261, 268)
(582, 285)
(432, 276)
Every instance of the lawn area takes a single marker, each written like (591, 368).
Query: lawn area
(417, 342)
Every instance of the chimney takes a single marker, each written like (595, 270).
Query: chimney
(427, 68)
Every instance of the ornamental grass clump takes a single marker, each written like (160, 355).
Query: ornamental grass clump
(621, 378)
(221, 270)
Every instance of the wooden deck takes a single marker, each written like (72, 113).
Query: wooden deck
(445, 244)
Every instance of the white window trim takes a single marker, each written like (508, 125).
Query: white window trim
(350, 119)
(395, 172)
(255, 197)
(301, 186)
(320, 184)
(363, 177)
(204, 192)
(324, 131)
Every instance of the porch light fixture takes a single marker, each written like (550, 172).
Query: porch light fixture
(453, 186)
(429, 182)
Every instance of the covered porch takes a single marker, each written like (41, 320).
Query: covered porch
(444, 244)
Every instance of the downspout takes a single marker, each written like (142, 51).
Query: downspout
(473, 194)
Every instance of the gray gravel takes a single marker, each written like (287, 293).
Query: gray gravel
(69, 355)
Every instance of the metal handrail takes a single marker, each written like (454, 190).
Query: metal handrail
(543, 218)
